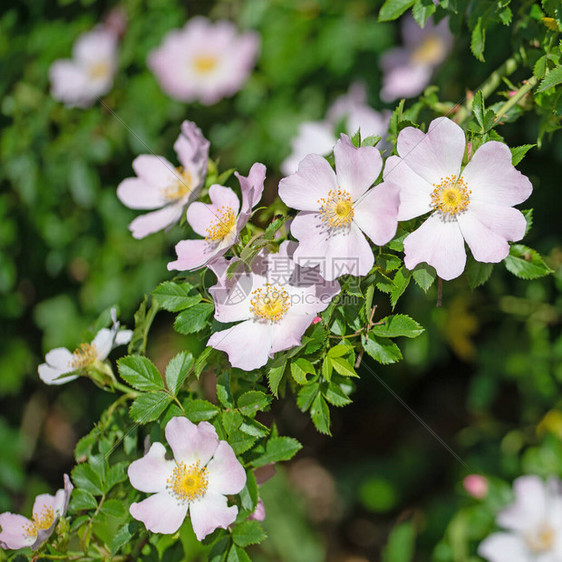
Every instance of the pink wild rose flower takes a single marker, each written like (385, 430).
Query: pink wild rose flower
(202, 473)
(204, 61)
(338, 209)
(532, 523)
(19, 531)
(77, 82)
(61, 364)
(219, 222)
(273, 304)
(407, 70)
(161, 186)
(474, 204)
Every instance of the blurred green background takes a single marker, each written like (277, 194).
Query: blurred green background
(485, 373)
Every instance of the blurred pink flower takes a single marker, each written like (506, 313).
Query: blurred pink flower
(473, 205)
(203, 472)
(338, 209)
(60, 361)
(407, 70)
(533, 525)
(259, 513)
(220, 222)
(19, 531)
(476, 485)
(273, 304)
(161, 186)
(204, 61)
(319, 137)
(77, 82)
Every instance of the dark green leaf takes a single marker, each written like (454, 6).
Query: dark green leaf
(477, 272)
(177, 371)
(424, 275)
(274, 376)
(518, 152)
(525, 263)
(278, 449)
(393, 9)
(320, 414)
(149, 406)
(382, 350)
(553, 78)
(300, 368)
(397, 325)
(175, 296)
(140, 373)
(253, 401)
(199, 410)
(84, 476)
(81, 499)
(193, 319)
(247, 533)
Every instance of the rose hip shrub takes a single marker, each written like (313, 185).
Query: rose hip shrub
(354, 350)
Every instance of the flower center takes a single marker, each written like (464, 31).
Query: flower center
(450, 197)
(219, 229)
(429, 51)
(542, 540)
(188, 483)
(204, 64)
(337, 208)
(84, 355)
(41, 521)
(270, 303)
(99, 70)
(179, 187)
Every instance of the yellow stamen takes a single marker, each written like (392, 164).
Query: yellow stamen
(204, 64)
(270, 303)
(84, 355)
(180, 186)
(41, 521)
(188, 483)
(99, 70)
(219, 229)
(542, 540)
(450, 197)
(337, 208)
(430, 51)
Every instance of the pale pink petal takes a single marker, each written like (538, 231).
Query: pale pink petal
(123, 337)
(62, 496)
(376, 213)
(415, 192)
(104, 343)
(193, 254)
(50, 375)
(236, 341)
(504, 547)
(356, 168)
(485, 244)
(508, 222)
(42, 502)
(252, 187)
(226, 474)
(210, 513)
(14, 535)
(259, 512)
(492, 178)
(160, 513)
(290, 330)
(157, 171)
(405, 81)
(189, 442)
(232, 296)
(529, 508)
(223, 197)
(150, 473)
(60, 358)
(192, 149)
(313, 181)
(138, 194)
(438, 243)
(436, 154)
(69, 84)
(156, 220)
(94, 46)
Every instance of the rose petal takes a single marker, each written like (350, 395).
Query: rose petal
(210, 513)
(486, 245)
(157, 220)
(376, 213)
(14, 531)
(60, 358)
(226, 474)
(504, 547)
(103, 343)
(150, 473)
(160, 513)
(193, 254)
(156, 171)
(252, 187)
(138, 194)
(530, 506)
(189, 442)
(50, 375)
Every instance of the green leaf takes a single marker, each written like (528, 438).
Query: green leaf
(81, 499)
(123, 536)
(553, 78)
(274, 376)
(117, 473)
(393, 9)
(424, 275)
(478, 108)
(252, 402)
(140, 373)
(477, 272)
(199, 410)
(397, 325)
(278, 449)
(422, 10)
(300, 368)
(193, 319)
(84, 476)
(320, 414)
(525, 263)
(238, 554)
(306, 396)
(518, 152)
(175, 296)
(343, 367)
(249, 494)
(399, 284)
(113, 508)
(336, 396)
(177, 371)
(382, 350)
(478, 40)
(247, 533)
(339, 350)
(401, 543)
(148, 407)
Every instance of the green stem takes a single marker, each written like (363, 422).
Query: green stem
(514, 100)
(129, 392)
